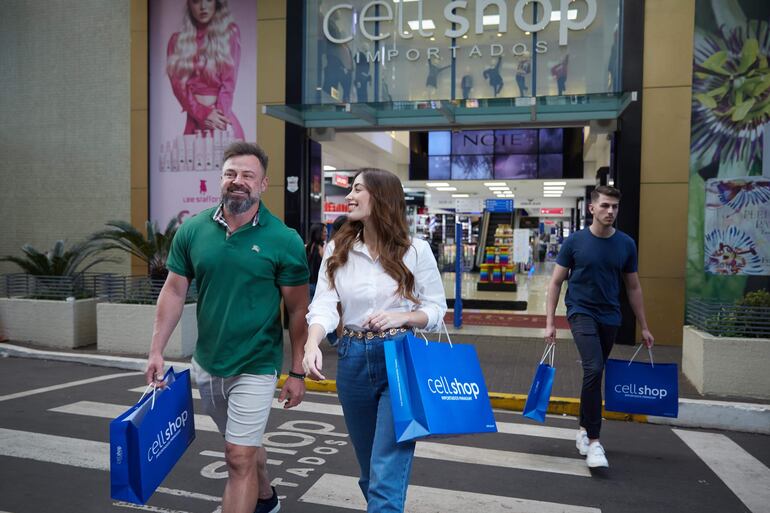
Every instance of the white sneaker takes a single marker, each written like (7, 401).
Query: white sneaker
(595, 457)
(581, 442)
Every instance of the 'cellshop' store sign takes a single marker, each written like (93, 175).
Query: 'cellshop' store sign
(388, 18)
(367, 51)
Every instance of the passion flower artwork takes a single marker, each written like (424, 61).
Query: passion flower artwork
(737, 226)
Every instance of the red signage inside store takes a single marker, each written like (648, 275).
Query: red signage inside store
(341, 180)
(551, 211)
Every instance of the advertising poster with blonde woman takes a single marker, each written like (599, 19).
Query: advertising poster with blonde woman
(203, 60)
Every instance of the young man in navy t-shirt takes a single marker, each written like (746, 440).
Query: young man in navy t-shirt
(593, 261)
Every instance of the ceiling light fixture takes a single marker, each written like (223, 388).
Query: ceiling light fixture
(571, 15)
(446, 189)
(426, 25)
(494, 184)
(460, 195)
(329, 168)
(554, 183)
(437, 184)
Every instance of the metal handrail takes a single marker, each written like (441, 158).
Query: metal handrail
(728, 319)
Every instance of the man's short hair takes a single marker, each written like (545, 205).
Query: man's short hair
(239, 148)
(604, 190)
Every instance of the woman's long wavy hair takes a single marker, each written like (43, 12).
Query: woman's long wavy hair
(388, 219)
(215, 53)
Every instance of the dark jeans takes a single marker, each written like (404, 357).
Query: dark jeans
(594, 342)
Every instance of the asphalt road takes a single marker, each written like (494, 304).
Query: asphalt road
(54, 456)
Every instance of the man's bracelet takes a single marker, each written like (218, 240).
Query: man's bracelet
(296, 375)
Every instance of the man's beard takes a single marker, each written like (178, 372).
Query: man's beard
(237, 206)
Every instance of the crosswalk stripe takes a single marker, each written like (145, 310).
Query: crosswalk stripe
(444, 452)
(509, 428)
(63, 450)
(111, 411)
(342, 492)
(197, 395)
(27, 393)
(505, 459)
(73, 452)
(745, 475)
(153, 509)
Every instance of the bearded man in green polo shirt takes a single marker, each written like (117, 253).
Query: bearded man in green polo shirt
(244, 260)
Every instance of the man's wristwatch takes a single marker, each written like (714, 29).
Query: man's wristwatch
(296, 375)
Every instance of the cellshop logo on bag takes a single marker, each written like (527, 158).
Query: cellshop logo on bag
(641, 391)
(453, 390)
(165, 436)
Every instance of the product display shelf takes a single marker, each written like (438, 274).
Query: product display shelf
(498, 272)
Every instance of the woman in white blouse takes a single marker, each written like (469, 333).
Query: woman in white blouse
(386, 283)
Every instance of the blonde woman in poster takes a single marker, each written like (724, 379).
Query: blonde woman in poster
(202, 65)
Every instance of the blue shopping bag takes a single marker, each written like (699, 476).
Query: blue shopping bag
(436, 389)
(149, 438)
(638, 387)
(540, 392)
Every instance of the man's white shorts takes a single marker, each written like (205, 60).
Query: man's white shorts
(239, 405)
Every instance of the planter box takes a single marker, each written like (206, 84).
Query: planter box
(127, 328)
(726, 365)
(64, 324)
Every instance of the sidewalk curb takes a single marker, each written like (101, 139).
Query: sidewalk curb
(693, 413)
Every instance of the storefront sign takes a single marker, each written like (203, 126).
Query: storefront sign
(469, 205)
(362, 51)
(499, 205)
(552, 211)
(380, 13)
(341, 180)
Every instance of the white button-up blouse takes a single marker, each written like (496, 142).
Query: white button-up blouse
(362, 287)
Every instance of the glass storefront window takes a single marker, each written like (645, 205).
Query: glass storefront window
(362, 51)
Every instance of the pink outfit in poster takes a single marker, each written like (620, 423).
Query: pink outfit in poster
(221, 85)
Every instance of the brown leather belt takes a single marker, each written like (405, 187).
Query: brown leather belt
(369, 335)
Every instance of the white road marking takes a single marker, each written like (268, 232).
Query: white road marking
(154, 509)
(191, 495)
(343, 492)
(197, 395)
(63, 450)
(70, 384)
(221, 456)
(509, 428)
(73, 452)
(505, 459)
(745, 475)
(112, 411)
(444, 452)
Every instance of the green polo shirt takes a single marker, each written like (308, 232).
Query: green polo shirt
(238, 278)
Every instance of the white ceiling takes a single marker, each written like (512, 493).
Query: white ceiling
(390, 150)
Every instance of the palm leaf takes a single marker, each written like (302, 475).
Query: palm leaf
(152, 247)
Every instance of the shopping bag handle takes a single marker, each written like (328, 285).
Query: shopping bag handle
(152, 387)
(649, 351)
(443, 324)
(550, 350)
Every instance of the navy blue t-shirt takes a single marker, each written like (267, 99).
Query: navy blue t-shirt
(596, 267)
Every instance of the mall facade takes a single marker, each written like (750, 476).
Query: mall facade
(495, 114)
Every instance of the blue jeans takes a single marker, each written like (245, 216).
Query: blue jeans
(362, 386)
(594, 342)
